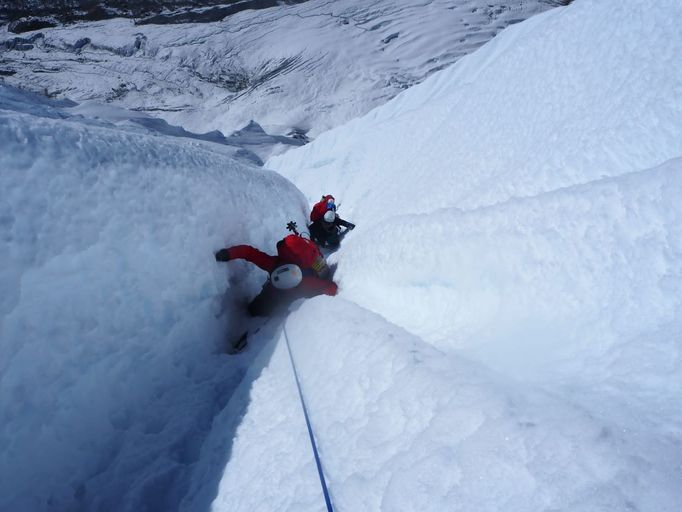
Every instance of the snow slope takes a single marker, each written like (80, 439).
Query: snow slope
(489, 201)
(519, 209)
(112, 315)
(507, 335)
(579, 285)
(403, 427)
(306, 67)
(534, 110)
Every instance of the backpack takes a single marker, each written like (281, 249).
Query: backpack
(320, 208)
(302, 252)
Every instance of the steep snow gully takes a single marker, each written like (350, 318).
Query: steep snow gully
(113, 311)
(507, 333)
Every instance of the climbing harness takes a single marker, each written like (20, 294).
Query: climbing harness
(325, 491)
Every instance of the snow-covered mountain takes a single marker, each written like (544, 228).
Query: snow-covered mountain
(507, 332)
(293, 69)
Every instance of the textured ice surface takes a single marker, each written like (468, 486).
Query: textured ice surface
(109, 327)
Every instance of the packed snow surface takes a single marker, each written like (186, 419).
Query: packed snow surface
(521, 209)
(507, 335)
(402, 426)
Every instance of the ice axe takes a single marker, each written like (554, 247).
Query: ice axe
(291, 226)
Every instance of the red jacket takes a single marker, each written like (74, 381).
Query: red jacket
(320, 208)
(311, 285)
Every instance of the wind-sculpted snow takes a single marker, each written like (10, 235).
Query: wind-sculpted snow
(403, 427)
(272, 466)
(507, 335)
(581, 285)
(496, 219)
(566, 97)
(522, 209)
(306, 67)
(110, 326)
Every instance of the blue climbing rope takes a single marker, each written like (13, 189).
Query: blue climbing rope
(325, 491)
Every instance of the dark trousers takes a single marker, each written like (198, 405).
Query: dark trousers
(271, 301)
(326, 237)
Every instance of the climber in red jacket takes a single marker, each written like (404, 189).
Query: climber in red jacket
(325, 224)
(298, 271)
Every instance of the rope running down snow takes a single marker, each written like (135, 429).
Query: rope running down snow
(325, 491)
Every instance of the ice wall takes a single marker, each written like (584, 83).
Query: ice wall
(110, 313)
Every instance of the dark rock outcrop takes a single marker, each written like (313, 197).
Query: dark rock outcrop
(27, 15)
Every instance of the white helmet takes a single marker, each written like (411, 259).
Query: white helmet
(286, 277)
(329, 216)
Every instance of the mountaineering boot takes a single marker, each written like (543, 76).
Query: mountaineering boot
(236, 346)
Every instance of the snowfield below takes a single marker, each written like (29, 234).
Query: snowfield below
(300, 68)
(508, 330)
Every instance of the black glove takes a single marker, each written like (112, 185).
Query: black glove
(351, 226)
(222, 255)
